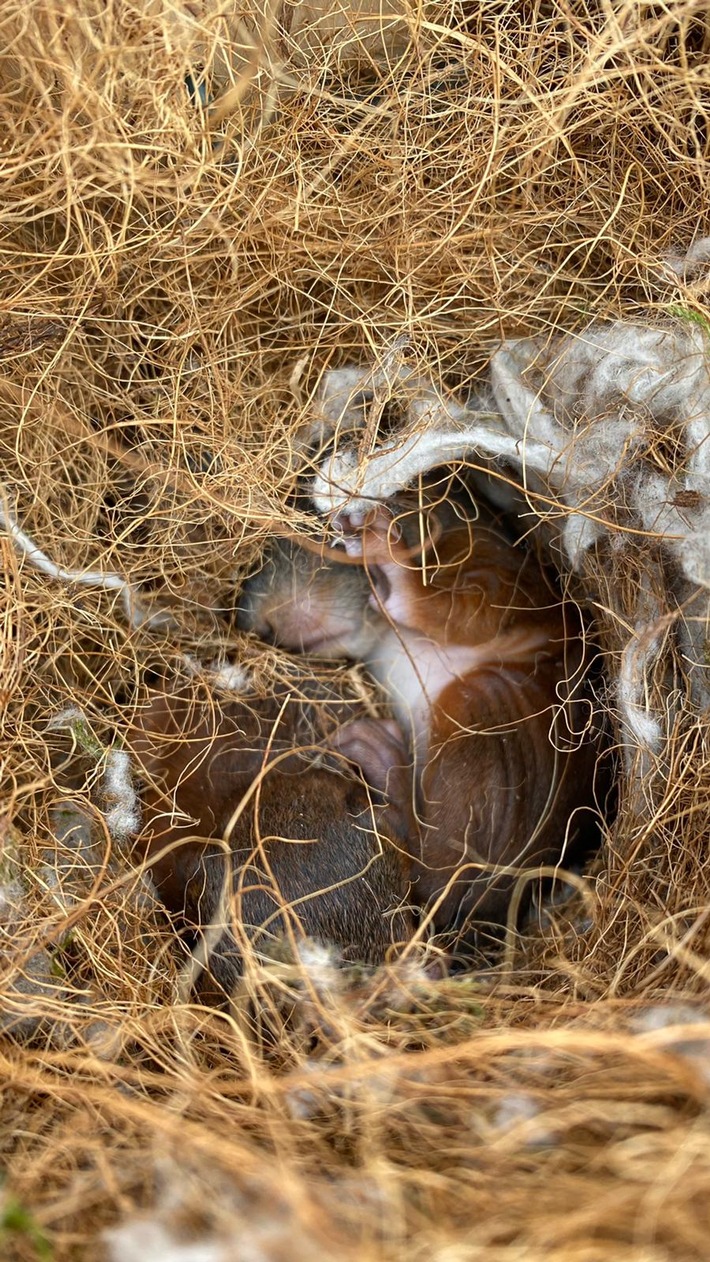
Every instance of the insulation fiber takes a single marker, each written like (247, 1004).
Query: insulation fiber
(499, 212)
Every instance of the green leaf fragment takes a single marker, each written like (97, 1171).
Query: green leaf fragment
(14, 1217)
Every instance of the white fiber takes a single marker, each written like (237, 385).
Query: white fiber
(122, 812)
(607, 430)
(106, 580)
(644, 727)
(395, 465)
(320, 963)
(582, 414)
(678, 1030)
(231, 677)
(147, 1240)
(519, 1111)
(226, 676)
(693, 260)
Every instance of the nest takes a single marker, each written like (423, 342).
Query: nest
(206, 210)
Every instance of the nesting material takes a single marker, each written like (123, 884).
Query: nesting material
(584, 420)
(606, 433)
(218, 221)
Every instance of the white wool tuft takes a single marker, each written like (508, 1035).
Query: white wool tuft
(228, 676)
(678, 1030)
(636, 662)
(694, 259)
(147, 1240)
(65, 718)
(520, 1109)
(249, 1223)
(612, 424)
(321, 964)
(669, 1015)
(580, 413)
(231, 677)
(122, 814)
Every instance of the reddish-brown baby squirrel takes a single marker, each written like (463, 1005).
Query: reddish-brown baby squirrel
(485, 667)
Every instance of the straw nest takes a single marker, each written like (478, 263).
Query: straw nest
(204, 209)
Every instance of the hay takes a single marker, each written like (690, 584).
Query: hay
(203, 210)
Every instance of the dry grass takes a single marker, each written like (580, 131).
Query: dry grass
(175, 279)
